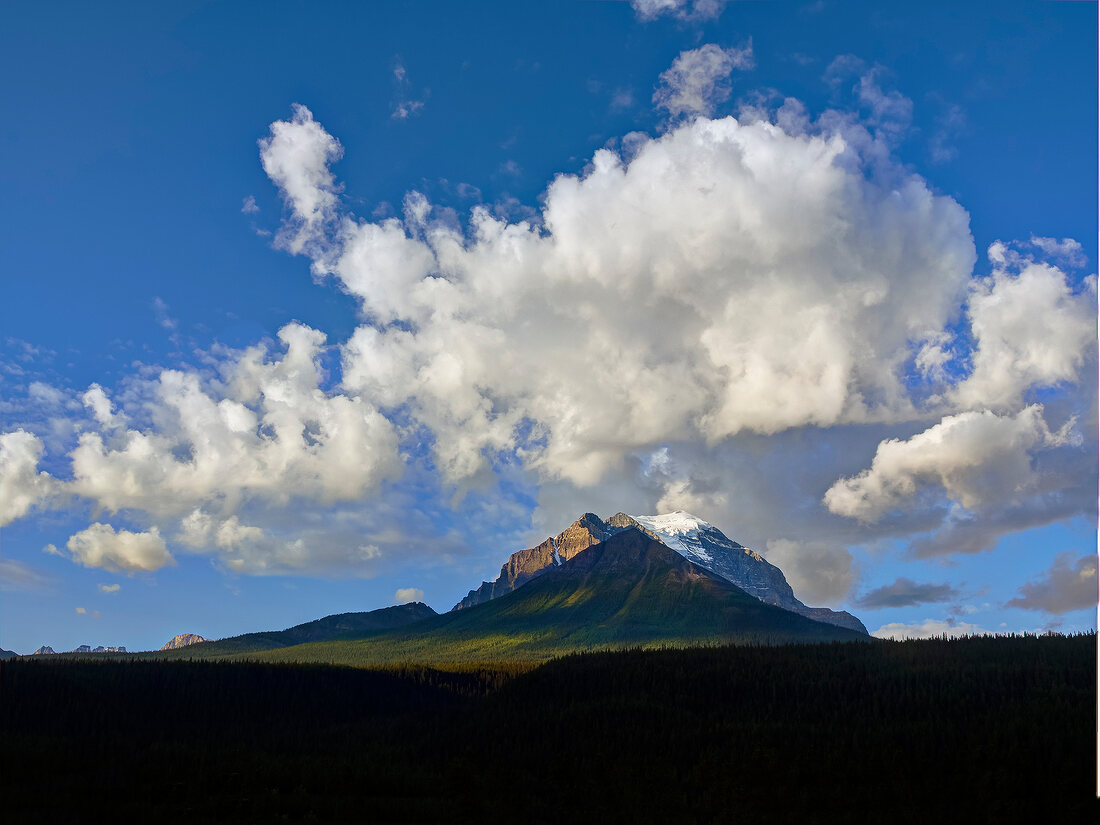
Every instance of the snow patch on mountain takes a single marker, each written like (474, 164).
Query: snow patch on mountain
(680, 531)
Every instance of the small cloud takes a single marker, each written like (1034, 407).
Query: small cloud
(110, 588)
(698, 79)
(1066, 251)
(160, 311)
(406, 109)
(404, 595)
(248, 205)
(81, 611)
(686, 10)
(905, 593)
(369, 551)
(509, 167)
(842, 68)
(1065, 586)
(950, 123)
(622, 99)
(405, 106)
(468, 191)
(887, 110)
(100, 545)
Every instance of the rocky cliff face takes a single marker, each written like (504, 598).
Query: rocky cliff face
(183, 640)
(694, 539)
(524, 565)
(45, 649)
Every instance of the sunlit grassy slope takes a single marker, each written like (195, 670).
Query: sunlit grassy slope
(629, 591)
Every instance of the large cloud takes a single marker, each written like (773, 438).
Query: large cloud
(191, 454)
(788, 290)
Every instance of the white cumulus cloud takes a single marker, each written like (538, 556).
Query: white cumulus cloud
(265, 431)
(788, 289)
(122, 551)
(296, 156)
(1031, 329)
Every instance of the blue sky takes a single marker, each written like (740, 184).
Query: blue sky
(308, 304)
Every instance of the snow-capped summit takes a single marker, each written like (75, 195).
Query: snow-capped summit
(681, 531)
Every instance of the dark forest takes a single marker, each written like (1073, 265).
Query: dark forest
(991, 729)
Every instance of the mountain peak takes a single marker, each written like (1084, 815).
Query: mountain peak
(691, 537)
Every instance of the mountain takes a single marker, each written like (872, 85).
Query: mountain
(82, 649)
(694, 539)
(45, 649)
(329, 628)
(7, 654)
(627, 591)
(183, 640)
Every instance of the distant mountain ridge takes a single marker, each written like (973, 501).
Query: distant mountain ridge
(689, 536)
(46, 650)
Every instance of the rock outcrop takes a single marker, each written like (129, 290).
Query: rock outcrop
(524, 565)
(183, 640)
